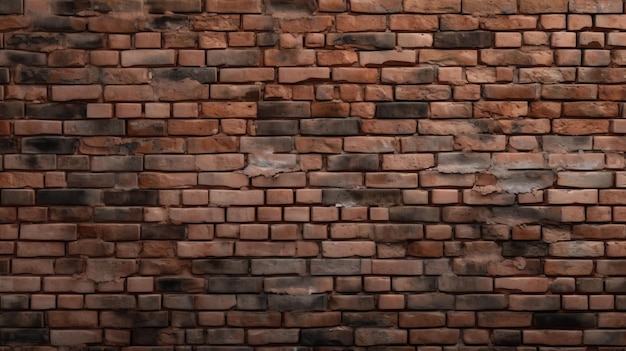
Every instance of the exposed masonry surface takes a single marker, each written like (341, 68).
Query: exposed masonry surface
(221, 175)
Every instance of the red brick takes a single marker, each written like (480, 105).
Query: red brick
(424, 6)
(568, 267)
(434, 336)
(362, 23)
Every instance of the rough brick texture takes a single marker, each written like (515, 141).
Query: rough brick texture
(312, 175)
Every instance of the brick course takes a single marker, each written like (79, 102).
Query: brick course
(220, 175)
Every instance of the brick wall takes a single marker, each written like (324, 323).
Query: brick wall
(221, 175)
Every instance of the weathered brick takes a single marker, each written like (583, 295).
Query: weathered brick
(362, 41)
(463, 162)
(534, 6)
(306, 24)
(412, 75)
(594, 6)
(516, 57)
(504, 7)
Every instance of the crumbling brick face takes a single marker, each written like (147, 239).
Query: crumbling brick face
(272, 175)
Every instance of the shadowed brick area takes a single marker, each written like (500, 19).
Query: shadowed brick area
(312, 175)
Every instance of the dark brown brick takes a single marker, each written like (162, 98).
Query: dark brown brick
(68, 197)
(4, 76)
(504, 337)
(59, 23)
(145, 336)
(69, 266)
(352, 302)
(9, 7)
(565, 320)
(203, 75)
(327, 336)
(235, 285)
(277, 127)
(33, 162)
(353, 162)
(284, 109)
(14, 57)
(430, 301)
(56, 111)
(17, 302)
(163, 232)
(95, 127)
(414, 214)
(370, 319)
(317, 302)
(49, 145)
(131, 198)
(69, 7)
(90, 180)
(414, 284)
(330, 126)
(162, 6)
(473, 39)
(249, 302)
(220, 266)
(118, 214)
(34, 336)
(335, 266)
(481, 302)
(8, 146)
(188, 285)
(293, 6)
(253, 319)
(22, 319)
(402, 110)
(85, 40)
(362, 41)
(17, 197)
(524, 249)
(11, 110)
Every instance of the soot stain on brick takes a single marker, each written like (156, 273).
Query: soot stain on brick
(13, 336)
(50, 145)
(565, 320)
(169, 22)
(290, 6)
(56, 111)
(8, 146)
(32, 41)
(339, 336)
